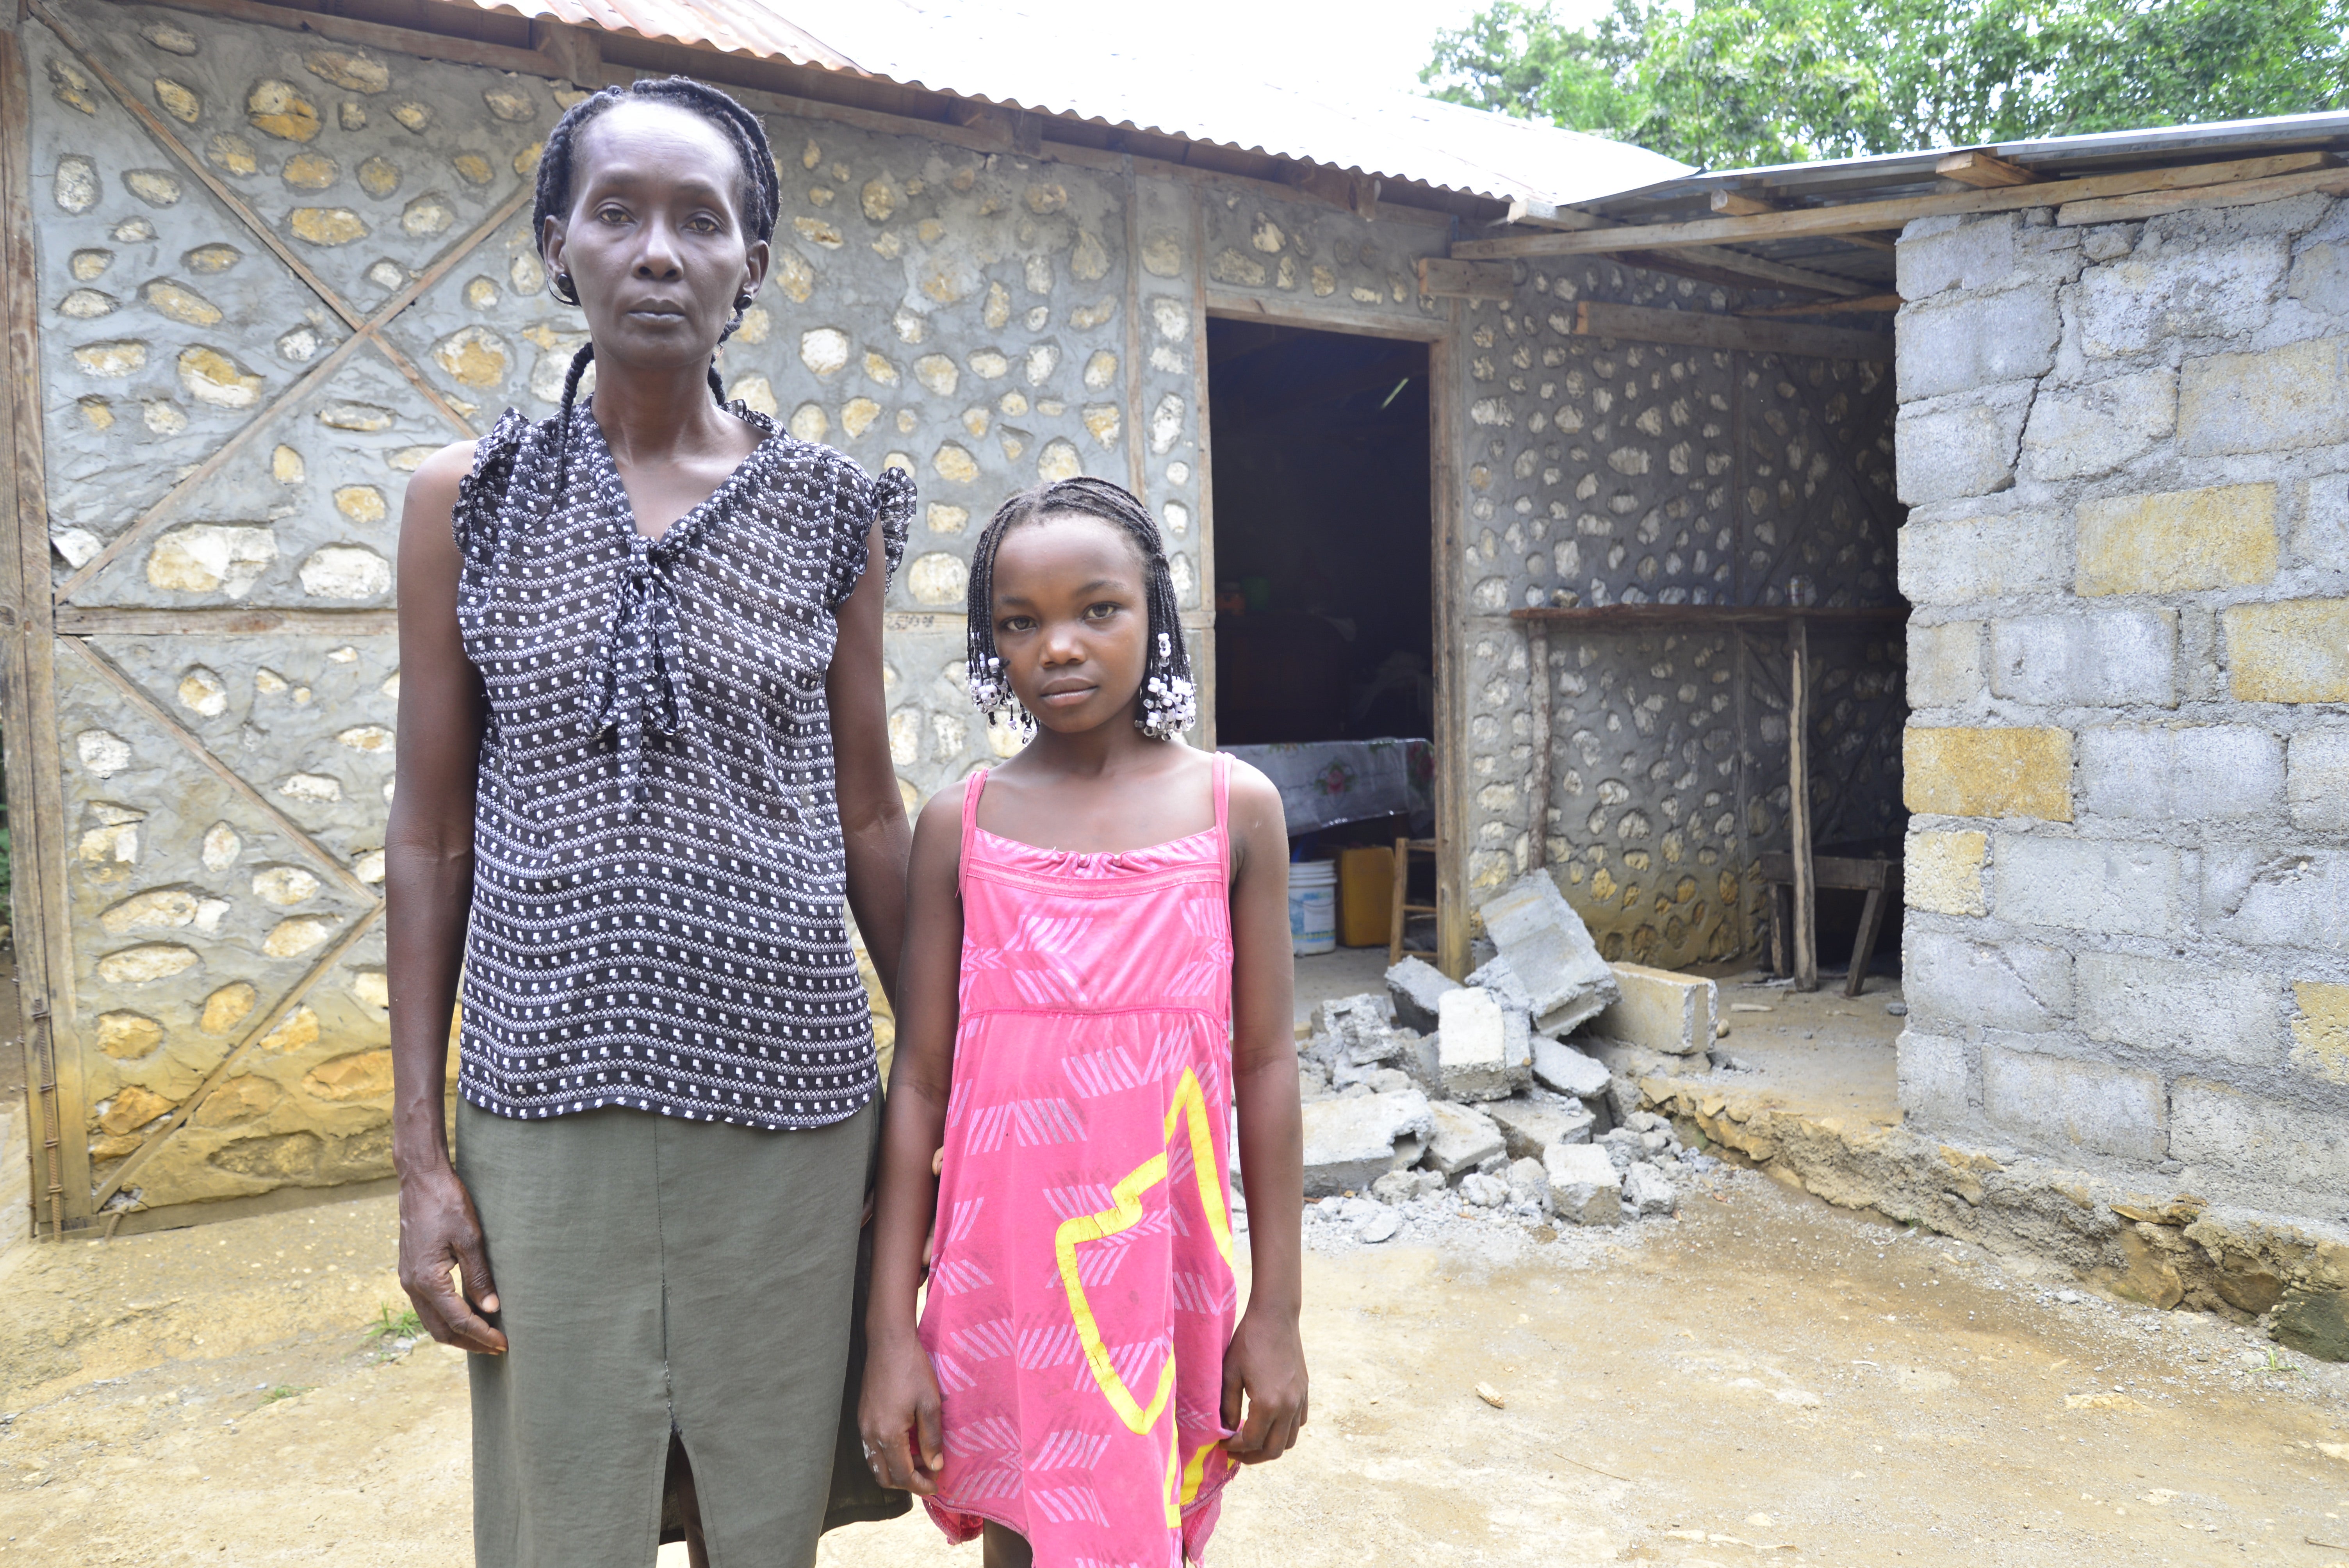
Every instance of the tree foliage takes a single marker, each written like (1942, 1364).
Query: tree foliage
(1732, 83)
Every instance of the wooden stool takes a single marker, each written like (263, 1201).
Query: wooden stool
(1880, 878)
(1404, 850)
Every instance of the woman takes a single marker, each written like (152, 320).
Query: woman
(642, 755)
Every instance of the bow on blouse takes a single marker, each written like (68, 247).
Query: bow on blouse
(639, 680)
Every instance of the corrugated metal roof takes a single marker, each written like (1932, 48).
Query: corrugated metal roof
(994, 54)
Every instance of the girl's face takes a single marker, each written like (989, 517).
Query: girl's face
(1071, 620)
(655, 241)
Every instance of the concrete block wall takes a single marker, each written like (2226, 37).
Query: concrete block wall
(2126, 450)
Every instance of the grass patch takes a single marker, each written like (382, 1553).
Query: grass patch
(406, 1326)
(285, 1391)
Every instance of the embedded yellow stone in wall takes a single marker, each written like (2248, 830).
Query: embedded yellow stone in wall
(1043, 199)
(227, 1007)
(278, 108)
(152, 186)
(378, 177)
(879, 200)
(2294, 651)
(1059, 461)
(525, 162)
(878, 370)
(142, 966)
(756, 392)
(858, 416)
(134, 1108)
(86, 265)
(475, 355)
(427, 215)
(300, 935)
(816, 232)
(111, 359)
(997, 308)
(240, 1099)
(753, 326)
(2320, 1031)
(811, 156)
(1942, 872)
(212, 557)
(310, 171)
(365, 737)
(355, 72)
(326, 225)
(824, 350)
(989, 364)
(1996, 773)
(938, 578)
(286, 466)
(472, 167)
(510, 102)
(1101, 421)
(360, 503)
(1088, 262)
(128, 1035)
(351, 115)
(937, 372)
(232, 154)
(2177, 541)
(975, 421)
(211, 258)
(85, 304)
(363, 1076)
(414, 116)
(203, 692)
(1100, 370)
(299, 1030)
(955, 463)
(480, 294)
(178, 101)
(943, 519)
(212, 376)
(1086, 317)
(810, 423)
(181, 302)
(795, 277)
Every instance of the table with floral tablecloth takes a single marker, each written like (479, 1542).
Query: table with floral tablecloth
(1325, 782)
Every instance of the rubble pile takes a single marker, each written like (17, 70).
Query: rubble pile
(1437, 1097)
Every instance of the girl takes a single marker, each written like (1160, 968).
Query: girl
(1097, 969)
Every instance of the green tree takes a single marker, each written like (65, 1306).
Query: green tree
(1729, 83)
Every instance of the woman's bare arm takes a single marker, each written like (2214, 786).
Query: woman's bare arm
(899, 1411)
(872, 813)
(428, 891)
(1266, 1357)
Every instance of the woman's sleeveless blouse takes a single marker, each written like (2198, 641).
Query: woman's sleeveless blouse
(658, 873)
(1082, 1293)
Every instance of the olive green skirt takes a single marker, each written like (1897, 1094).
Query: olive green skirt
(659, 1276)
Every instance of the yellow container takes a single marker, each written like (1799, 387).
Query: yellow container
(1365, 895)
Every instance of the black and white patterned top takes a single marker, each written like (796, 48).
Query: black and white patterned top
(657, 870)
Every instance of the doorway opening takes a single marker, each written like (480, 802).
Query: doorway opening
(1325, 616)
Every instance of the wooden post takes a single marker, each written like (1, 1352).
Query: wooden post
(1798, 800)
(1537, 653)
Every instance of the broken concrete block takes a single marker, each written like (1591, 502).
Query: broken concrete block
(1531, 1123)
(1482, 1052)
(1462, 1138)
(1550, 953)
(1340, 1016)
(1567, 1071)
(1583, 1186)
(1529, 1182)
(1662, 1011)
(1418, 1060)
(1414, 985)
(1495, 975)
(1402, 1186)
(1647, 1191)
(1349, 1141)
(1379, 1227)
(1484, 1191)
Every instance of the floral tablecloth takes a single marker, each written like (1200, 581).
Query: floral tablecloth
(1325, 782)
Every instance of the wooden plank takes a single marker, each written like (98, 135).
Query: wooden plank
(1442, 279)
(280, 1201)
(1984, 170)
(2242, 193)
(1704, 329)
(132, 693)
(1735, 268)
(1864, 217)
(1136, 468)
(1203, 676)
(1234, 304)
(1641, 617)
(1446, 422)
(1739, 204)
(1843, 872)
(377, 35)
(231, 621)
(1798, 801)
(1875, 302)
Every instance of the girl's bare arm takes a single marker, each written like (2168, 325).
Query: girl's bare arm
(1266, 1358)
(428, 892)
(898, 1414)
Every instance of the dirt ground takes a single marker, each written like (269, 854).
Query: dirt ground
(1762, 1378)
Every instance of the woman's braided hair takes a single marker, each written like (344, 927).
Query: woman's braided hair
(759, 192)
(1169, 699)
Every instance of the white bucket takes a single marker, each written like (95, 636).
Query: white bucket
(1313, 907)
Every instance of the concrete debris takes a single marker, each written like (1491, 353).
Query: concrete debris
(1567, 1070)
(1549, 952)
(1647, 1191)
(1383, 1225)
(1665, 1011)
(1483, 1190)
(1402, 1186)
(1414, 984)
(1622, 1146)
(1529, 1182)
(1530, 1123)
(1462, 1138)
(1491, 1396)
(1482, 1052)
(1583, 1185)
(1350, 1141)
(1348, 1016)
(1497, 977)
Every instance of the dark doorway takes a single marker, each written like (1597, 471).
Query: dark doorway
(1323, 599)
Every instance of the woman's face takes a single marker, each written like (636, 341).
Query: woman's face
(655, 243)
(1071, 620)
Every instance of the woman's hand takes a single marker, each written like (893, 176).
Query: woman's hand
(898, 1417)
(439, 1230)
(1264, 1361)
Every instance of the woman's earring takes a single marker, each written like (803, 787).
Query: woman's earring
(564, 289)
(742, 302)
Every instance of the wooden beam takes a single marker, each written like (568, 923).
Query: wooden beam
(2244, 193)
(1875, 302)
(1645, 617)
(1984, 170)
(1440, 279)
(223, 620)
(1798, 801)
(1864, 217)
(1703, 329)
(1738, 203)
(1872, 242)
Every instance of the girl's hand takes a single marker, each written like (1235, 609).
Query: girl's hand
(1265, 1360)
(897, 1414)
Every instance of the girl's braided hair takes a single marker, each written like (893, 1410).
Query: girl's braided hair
(1169, 699)
(759, 192)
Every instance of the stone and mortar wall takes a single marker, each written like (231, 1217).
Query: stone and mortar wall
(2127, 451)
(1612, 471)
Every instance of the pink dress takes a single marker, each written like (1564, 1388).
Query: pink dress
(1082, 1293)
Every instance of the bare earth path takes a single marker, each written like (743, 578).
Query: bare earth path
(1764, 1379)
